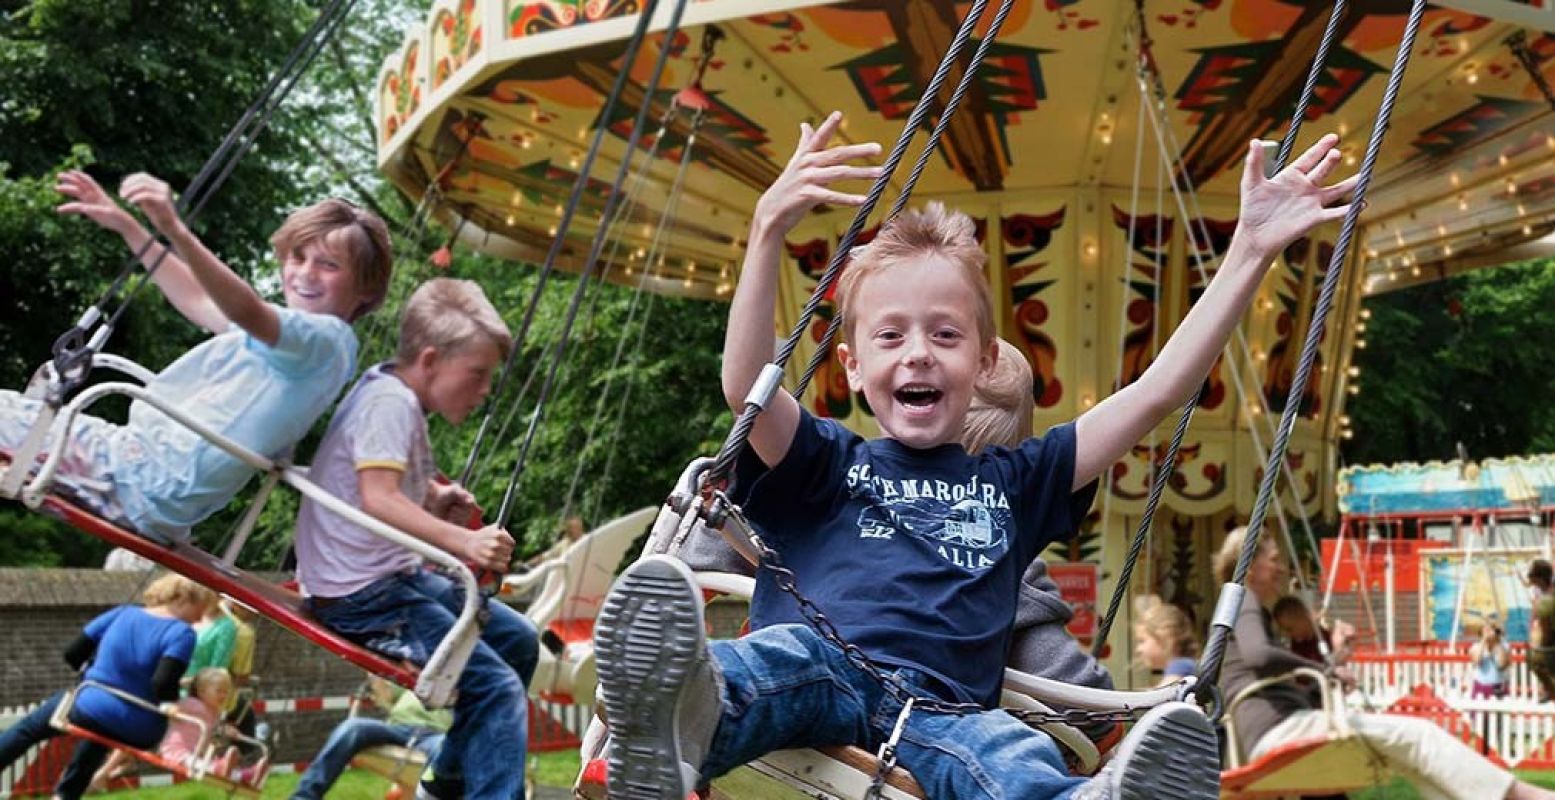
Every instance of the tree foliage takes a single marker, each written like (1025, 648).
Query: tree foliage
(118, 86)
(1464, 360)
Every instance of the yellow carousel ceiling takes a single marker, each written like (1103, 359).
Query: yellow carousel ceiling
(494, 103)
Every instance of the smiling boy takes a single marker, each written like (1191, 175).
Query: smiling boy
(931, 604)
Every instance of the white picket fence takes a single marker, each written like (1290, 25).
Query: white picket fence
(1436, 683)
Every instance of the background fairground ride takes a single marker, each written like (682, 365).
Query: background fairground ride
(1426, 554)
(1101, 215)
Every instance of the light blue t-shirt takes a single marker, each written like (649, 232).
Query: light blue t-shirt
(265, 398)
(130, 643)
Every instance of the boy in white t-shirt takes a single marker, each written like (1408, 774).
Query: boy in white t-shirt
(376, 455)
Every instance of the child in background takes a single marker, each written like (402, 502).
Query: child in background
(1489, 658)
(208, 695)
(262, 380)
(1164, 639)
(1295, 620)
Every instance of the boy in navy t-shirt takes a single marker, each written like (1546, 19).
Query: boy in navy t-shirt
(912, 548)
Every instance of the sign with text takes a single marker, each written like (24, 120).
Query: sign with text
(1077, 585)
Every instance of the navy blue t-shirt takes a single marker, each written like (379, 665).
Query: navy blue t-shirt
(130, 642)
(915, 555)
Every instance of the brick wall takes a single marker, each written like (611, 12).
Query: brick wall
(42, 610)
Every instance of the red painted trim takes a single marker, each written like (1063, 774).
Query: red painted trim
(274, 602)
(1236, 780)
(179, 772)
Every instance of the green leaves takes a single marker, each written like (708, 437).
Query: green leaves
(1466, 359)
(119, 86)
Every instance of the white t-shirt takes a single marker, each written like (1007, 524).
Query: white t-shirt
(380, 424)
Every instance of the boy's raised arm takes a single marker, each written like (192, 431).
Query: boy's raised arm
(231, 295)
(1274, 212)
(172, 275)
(748, 341)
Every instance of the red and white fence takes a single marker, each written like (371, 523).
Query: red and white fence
(1435, 682)
(552, 726)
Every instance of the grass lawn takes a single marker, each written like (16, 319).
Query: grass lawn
(353, 785)
(558, 770)
(546, 769)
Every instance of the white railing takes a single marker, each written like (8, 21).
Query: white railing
(1435, 682)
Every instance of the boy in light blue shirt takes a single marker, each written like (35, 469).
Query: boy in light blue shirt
(262, 380)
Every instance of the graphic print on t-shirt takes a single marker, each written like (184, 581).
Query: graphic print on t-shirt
(966, 523)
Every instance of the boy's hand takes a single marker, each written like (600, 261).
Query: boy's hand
(490, 547)
(154, 198)
(450, 502)
(1277, 211)
(804, 183)
(89, 200)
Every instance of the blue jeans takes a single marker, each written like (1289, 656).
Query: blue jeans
(84, 762)
(351, 737)
(405, 615)
(785, 687)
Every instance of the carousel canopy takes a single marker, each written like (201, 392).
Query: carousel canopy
(496, 101)
(1514, 484)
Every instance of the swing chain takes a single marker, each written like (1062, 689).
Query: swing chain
(885, 760)
(725, 509)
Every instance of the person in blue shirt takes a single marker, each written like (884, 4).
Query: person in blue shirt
(261, 380)
(138, 649)
(911, 547)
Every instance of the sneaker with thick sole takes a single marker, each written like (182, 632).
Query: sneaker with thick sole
(1172, 753)
(661, 689)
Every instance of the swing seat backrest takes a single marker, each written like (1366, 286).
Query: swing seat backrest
(572, 587)
(573, 584)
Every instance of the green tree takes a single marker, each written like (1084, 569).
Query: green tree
(1463, 360)
(114, 85)
(118, 86)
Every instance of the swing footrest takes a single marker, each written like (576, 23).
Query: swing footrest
(1318, 766)
(836, 772)
(401, 765)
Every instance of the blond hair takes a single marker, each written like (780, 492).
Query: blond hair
(444, 314)
(210, 678)
(1231, 550)
(1167, 624)
(353, 235)
(932, 230)
(172, 589)
(1002, 403)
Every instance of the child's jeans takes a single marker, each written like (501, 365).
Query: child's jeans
(785, 687)
(405, 615)
(85, 472)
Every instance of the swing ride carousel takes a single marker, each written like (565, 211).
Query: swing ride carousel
(1098, 155)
